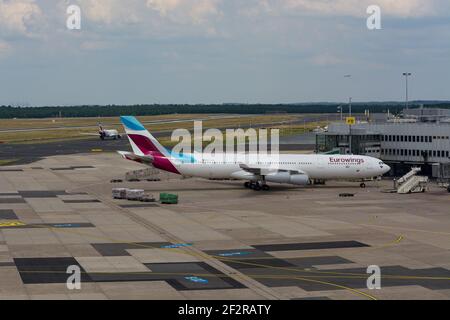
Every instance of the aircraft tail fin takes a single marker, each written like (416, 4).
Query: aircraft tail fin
(142, 141)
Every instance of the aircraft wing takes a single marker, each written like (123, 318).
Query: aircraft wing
(134, 157)
(263, 171)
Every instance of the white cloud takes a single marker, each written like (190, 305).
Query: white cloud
(164, 6)
(398, 8)
(19, 16)
(253, 8)
(120, 12)
(185, 11)
(111, 12)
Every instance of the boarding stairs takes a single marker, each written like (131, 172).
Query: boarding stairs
(412, 183)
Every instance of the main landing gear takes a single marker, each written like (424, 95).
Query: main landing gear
(256, 186)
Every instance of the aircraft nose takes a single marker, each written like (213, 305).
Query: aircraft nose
(386, 168)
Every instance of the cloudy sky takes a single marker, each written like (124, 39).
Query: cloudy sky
(214, 51)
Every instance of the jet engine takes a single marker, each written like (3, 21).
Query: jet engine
(243, 175)
(286, 177)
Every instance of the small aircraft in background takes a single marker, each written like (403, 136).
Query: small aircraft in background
(108, 133)
(105, 133)
(319, 129)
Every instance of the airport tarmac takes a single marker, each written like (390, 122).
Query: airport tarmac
(221, 241)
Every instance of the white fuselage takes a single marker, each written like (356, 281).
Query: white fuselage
(315, 166)
(255, 168)
(111, 133)
(104, 134)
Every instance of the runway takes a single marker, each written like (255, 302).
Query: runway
(95, 127)
(29, 152)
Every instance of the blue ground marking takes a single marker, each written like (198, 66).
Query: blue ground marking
(197, 280)
(65, 225)
(177, 245)
(231, 254)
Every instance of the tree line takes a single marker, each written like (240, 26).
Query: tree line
(9, 112)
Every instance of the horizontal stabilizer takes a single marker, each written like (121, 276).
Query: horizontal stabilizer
(134, 157)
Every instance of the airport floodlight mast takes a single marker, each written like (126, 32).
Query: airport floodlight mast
(350, 106)
(406, 75)
(349, 76)
(350, 126)
(340, 110)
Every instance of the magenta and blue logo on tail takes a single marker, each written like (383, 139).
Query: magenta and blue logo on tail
(132, 123)
(143, 143)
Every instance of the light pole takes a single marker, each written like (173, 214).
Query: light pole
(350, 126)
(350, 106)
(340, 110)
(406, 75)
(349, 76)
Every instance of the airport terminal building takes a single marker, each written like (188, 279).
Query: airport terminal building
(420, 138)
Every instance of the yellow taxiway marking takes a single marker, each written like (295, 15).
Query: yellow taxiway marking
(96, 150)
(405, 229)
(396, 241)
(11, 224)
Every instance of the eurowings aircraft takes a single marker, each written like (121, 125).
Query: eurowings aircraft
(292, 169)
